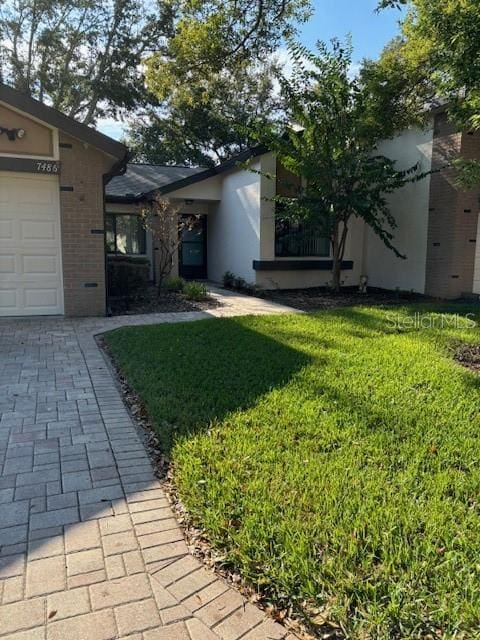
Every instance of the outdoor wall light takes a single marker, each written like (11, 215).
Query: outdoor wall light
(189, 201)
(12, 134)
(363, 284)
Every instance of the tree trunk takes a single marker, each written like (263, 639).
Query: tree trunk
(337, 260)
(338, 251)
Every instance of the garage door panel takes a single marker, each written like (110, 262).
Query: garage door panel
(40, 265)
(8, 300)
(30, 259)
(38, 230)
(38, 195)
(41, 298)
(7, 263)
(6, 229)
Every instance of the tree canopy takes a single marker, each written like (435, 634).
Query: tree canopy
(91, 59)
(214, 78)
(81, 56)
(208, 123)
(440, 51)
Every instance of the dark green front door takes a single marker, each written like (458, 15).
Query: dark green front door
(193, 251)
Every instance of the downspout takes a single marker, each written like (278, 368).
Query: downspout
(118, 169)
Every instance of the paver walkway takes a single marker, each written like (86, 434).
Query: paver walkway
(89, 548)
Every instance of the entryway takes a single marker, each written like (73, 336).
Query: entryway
(192, 262)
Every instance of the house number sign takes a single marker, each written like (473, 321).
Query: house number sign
(42, 166)
(30, 165)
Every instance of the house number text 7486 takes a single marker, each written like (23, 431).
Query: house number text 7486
(48, 167)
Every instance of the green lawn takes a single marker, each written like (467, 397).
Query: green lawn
(334, 458)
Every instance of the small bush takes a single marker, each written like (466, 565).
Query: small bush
(127, 277)
(239, 282)
(228, 279)
(175, 283)
(195, 291)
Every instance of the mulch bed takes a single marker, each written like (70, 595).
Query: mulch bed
(324, 298)
(468, 355)
(151, 302)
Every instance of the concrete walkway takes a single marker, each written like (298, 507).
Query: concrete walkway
(89, 548)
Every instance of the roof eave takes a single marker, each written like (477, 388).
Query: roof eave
(232, 163)
(54, 118)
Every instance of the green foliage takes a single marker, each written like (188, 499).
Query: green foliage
(209, 36)
(208, 121)
(332, 459)
(82, 56)
(239, 282)
(338, 124)
(89, 59)
(228, 279)
(175, 283)
(440, 51)
(127, 277)
(213, 79)
(442, 41)
(195, 291)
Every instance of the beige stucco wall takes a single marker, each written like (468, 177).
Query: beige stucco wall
(234, 225)
(292, 279)
(38, 140)
(208, 189)
(410, 207)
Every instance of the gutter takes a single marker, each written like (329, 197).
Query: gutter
(118, 169)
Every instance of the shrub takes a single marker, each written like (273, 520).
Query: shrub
(195, 291)
(228, 279)
(126, 276)
(175, 283)
(239, 282)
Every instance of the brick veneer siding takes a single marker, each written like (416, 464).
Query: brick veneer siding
(453, 217)
(82, 210)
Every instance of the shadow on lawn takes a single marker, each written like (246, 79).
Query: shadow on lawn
(188, 377)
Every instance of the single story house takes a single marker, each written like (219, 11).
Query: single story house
(237, 230)
(68, 199)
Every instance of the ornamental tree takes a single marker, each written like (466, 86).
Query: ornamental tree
(328, 139)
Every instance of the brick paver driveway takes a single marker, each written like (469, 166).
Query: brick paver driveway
(89, 548)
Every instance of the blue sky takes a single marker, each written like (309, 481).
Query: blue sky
(336, 18)
(370, 32)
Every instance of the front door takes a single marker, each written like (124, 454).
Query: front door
(193, 250)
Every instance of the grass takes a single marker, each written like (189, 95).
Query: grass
(333, 458)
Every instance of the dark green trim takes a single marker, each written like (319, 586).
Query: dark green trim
(299, 265)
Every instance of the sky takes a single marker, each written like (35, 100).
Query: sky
(370, 32)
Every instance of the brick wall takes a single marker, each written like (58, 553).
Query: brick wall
(83, 252)
(453, 217)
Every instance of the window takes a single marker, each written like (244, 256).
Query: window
(293, 239)
(125, 234)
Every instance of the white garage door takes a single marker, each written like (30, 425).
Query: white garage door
(30, 245)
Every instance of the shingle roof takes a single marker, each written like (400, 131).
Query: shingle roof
(140, 179)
